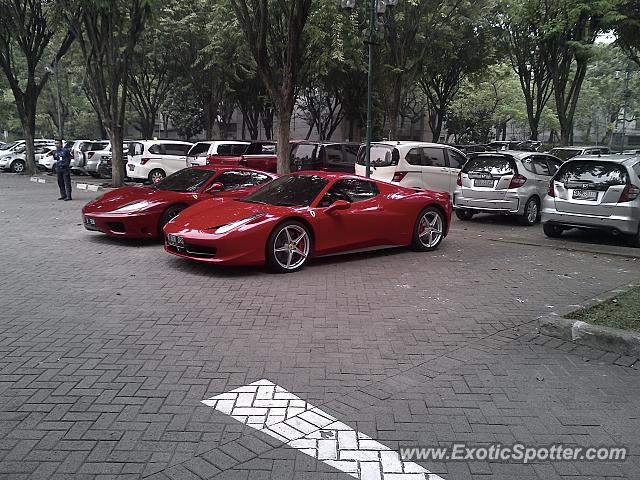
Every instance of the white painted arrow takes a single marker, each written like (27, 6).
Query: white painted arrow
(272, 410)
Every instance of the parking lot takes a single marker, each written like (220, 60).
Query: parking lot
(109, 347)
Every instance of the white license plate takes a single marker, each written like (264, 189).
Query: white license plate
(175, 241)
(483, 183)
(131, 167)
(585, 195)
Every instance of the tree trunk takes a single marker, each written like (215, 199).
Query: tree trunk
(26, 106)
(284, 126)
(116, 136)
(435, 123)
(28, 129)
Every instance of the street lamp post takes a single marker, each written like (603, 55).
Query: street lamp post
(377, 7)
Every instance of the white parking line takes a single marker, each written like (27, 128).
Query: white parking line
(272, 410)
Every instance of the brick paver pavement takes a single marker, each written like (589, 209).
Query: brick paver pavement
(107, 349)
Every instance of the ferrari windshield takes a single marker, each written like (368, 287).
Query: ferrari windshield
(290, 191)
(187, 180)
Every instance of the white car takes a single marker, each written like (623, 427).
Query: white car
(202, 151)
(429, 166)
(153, 160)
(16, 161)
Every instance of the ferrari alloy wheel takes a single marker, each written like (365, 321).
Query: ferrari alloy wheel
(429, 230)
(289, 247)
(156, 176)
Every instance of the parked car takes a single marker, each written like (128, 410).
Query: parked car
(260, 155)
(98, 161)
(141, 212)
(13, 147)
(473, 148)
(82, 153)
(430, 166)
(301, 215)
(153, 160)
(327, 156)
(16, 162)
(595, 194)
(515, 145)
(504, 182)
(565, 153)
(201, 151)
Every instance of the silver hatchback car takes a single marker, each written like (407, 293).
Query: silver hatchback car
(600, 193)
(506, 182)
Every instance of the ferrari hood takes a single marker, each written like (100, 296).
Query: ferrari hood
(215, 213)
(115, 199)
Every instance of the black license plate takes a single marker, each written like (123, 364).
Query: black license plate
(175, 241)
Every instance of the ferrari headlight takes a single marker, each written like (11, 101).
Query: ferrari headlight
(133, 206)
(230, 226)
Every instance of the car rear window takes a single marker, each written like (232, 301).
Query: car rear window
(495, 165)
(303, 152)
(199, 150)
(564, 153)
(381, 156)
(231, 149)
(595, 175)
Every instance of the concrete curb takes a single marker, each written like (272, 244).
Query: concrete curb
(595, 336)
(80, 186)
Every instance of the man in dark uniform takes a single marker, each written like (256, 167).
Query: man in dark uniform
(62, 156)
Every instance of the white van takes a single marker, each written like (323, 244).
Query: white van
(429, 166)
(155, 159)
(202, 151)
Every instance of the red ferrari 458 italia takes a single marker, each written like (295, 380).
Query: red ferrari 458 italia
(308, 214)
(141, 212)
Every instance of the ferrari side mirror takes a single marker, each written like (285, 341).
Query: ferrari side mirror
(337, 206)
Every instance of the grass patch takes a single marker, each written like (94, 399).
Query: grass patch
(621, 312)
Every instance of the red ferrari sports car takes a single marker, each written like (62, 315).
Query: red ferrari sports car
(309, 214)
(141, 212)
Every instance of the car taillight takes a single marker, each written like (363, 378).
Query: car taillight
(398, 176)
(90, 154)
(50, 154)
(629, 193)
(144, 160)
(517, 181)
(551, 191)
(459, 180)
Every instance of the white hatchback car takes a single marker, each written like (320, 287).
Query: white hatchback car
(153, 160)
(430, 166)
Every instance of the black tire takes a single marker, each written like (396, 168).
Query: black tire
(428, 238)
(156, 175)
(531, 212)
(18, 166)
(634, 240)
(552, 231)
(464, 215)
(169, 214)
(288, 260)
